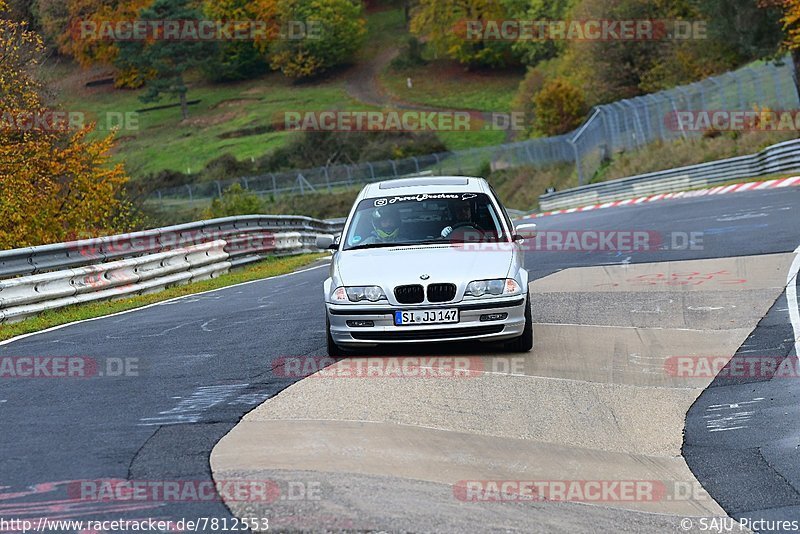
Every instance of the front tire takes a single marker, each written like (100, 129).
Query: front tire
(334, 350)
(524, 343)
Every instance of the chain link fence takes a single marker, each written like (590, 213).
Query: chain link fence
(622, 125)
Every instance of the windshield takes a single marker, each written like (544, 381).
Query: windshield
(424, 219)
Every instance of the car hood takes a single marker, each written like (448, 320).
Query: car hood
(404, 265)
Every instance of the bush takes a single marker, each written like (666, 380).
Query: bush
(338, 32)
(225, 167)
(559, 107)
(235, 201)
(317, 149)
(235, 61)
(523, 100)
(520, 188)
(410, 56)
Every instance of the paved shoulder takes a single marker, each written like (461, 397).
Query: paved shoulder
(596, 404)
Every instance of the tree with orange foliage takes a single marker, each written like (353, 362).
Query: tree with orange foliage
(334, 31)
(790, 20)
(55, 184)
(89, 50)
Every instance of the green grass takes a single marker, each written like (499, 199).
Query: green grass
(385, 28)
(519, 188)
(669, 155)
(161, 140)
(472, 139)
(446, 84)
(264, 269)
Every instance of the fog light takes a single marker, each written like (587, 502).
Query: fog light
(360, 324)
(493, 317)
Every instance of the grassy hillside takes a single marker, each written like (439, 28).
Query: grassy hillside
(163, 141)
(237, 118)
(447, 84)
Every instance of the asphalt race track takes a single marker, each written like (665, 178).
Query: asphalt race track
(197, 365)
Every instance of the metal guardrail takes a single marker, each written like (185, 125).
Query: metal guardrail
(780, 158)
(36, 279)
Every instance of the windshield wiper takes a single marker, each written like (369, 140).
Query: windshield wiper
(399, 244)
(374, 245)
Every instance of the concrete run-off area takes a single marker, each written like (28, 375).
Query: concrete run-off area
(594, 404)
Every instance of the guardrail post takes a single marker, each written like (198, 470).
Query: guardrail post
(219, 188)
(191, 196)
(371, 171)
(416, 163)
(274, 185)
(246, 183)
(394, 167)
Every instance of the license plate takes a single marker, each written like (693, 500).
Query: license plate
(412, 317)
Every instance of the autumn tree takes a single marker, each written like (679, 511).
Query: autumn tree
(55, 183)
(329, 33)
(532, 51)
(72, 27)
(52, 17)
(166, 61)
(790, 23)
(451, 28)
(559, 107)
(242, 58)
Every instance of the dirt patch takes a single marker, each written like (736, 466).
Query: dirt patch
(204, 121)
(69, 77)
(234, 102)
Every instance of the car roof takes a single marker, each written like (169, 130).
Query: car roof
(425, 184)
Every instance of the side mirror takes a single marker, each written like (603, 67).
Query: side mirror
(524, 231)
(325, 242)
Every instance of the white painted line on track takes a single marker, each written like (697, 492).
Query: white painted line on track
(59, 327)
(791, 299)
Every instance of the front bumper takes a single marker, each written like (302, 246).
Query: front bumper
(469, 327)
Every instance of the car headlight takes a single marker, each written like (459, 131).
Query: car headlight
(357, 294)
(503, 286)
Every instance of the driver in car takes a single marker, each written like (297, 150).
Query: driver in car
(386, 223)
(463, 219)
